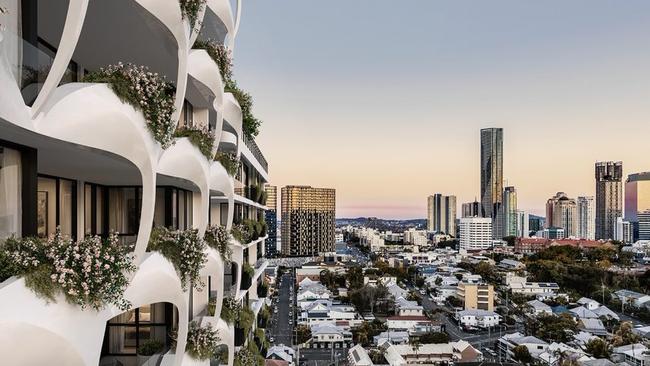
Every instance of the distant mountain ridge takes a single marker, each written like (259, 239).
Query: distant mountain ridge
(382, 224)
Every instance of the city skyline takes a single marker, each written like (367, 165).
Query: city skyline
(595, 92)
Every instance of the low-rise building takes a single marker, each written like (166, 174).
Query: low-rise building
(628, 297)
(476, 296)
(394, 337)
(453, 352)
(477, 318)
(330, 336)
(508, 342)
(520, 285)
(281, 353)
(536, 308)
(633, 354)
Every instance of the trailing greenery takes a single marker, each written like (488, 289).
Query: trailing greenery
(150, 347)
(249, 356)
(202, 342)
(184, 249)
(245, 320)
(260, 339)
(230, 162)
(190, 10)
(248, 270)
(199, 137)
(263, 289)
(91, 272)
(218, 238)
(220, 54)
(230, 310)
(144, 90)
(250, 124)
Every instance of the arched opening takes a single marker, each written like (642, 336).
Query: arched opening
(139, 333)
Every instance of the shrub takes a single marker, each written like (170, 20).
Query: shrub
(184, 249)
(230, 310)
(212, 306)
(220, 54)
(90, 273)
(263, 289)
(199, 137)
(190, 10)
(150, 347)
(245, 320)
(202, 342)
(218, 238)
(230, 162)
(249, 356)
(250, 124)
(241, 233)
(144, 90)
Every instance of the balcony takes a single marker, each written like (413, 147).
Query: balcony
(257, 153)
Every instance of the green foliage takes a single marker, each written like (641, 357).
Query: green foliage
(144, 90)
(230, 310)
(212, 306)
(184, 249)
(202, 342)
(521, 354)
(364, 333)
(7, 268)
(249, 356)
(598, 348)
(220, 54)
(355, 277)
(372, 298)
(552, 328)
(624, 335)
(190, 10)
(230, 162)
(263, 289)
(455, 302)
(218, 238)
(435, 337)
(303, 333)
(250, 124)
(150, 347)
(245, 320)
(199, 137)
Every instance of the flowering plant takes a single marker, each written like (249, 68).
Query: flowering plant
(249, 356)
(144, 90)
(185, 249)
(250, 124)
(90, 272)
(200, 137)
(220, 54)
(190, 10)
(218, 238)
(230, 310)
(230, 162)
(241, 233)
(202, 342)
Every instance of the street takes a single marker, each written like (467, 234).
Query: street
(281, 331)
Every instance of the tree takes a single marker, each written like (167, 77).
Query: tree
(521, 354)
(552, 328)
(303, 332)
(415, 344)
(598, 348)
(624, 335)
(455, 302)
(438, 281)
(355, 278)
(434, 337)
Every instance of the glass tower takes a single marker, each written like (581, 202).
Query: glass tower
(492, 177)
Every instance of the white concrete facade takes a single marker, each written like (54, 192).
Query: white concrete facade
(84, 134)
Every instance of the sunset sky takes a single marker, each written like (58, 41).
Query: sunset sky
(383, 100)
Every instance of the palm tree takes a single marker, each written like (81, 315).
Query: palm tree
(415, 343)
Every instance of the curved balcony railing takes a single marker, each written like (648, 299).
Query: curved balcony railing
(257, 153)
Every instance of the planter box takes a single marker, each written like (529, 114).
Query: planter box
(149, 360)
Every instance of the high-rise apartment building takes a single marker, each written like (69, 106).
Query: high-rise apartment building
(644, 225)
(471, 209)
(272, 220)
(509, 209)
(441, 214)
(492, 177)
(586, 216)
(523, 224)
(308, 220)
(88, 148)
(561, 212)
(609, 197)
(536, 223)
(624, 232)
(475, 233)
(637, 202)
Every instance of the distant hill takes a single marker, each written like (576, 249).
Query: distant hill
(382, 224)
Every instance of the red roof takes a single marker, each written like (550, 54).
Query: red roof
(276, 363)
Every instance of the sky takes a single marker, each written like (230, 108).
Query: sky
(383, 100)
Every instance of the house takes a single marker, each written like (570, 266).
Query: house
(358, 356)
(281, 353)
(407, 308)
(394, 337)
(453, 352)
(593, 326)
(272, 362)
(537, 308)
(476, 318)
(582, 312)
(643, 332)
(323, 311)
(409, 323)
(588, 303)
(508, 342)
(633, 298)
(632, 354)
(330, 336)
(553, 353)
(511, 265)
(519, 285)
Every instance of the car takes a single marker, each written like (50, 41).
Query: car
(272, 339)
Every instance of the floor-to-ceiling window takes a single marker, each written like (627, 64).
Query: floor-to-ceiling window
(174, 208)
(10, 192)
(56, 206)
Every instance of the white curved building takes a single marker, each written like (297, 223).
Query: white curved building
(74, 155)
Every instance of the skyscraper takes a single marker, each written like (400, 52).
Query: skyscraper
(441, 214)
(471, 209)
(509, 212)
(585, 211)
(637, 202)
(492, 176)
(523, 224)
(475, 233)
(308, 216)
(609, 197)
(561, 212)
(271, 216)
